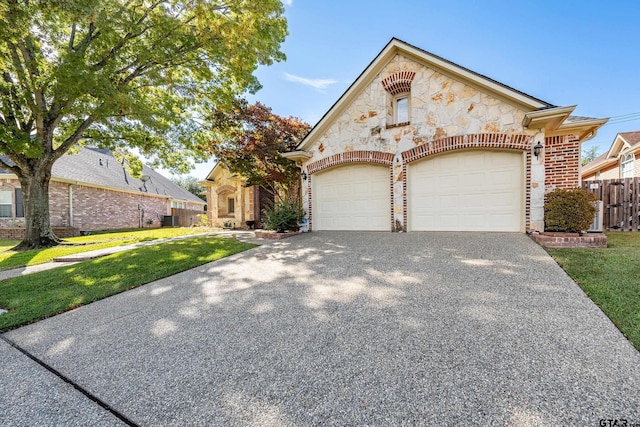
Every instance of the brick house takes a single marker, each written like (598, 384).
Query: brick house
(420, 143)
(230, 201)
(91, 190)
(622, 160)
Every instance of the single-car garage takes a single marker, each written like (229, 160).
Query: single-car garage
(474, 190)
(352, 197)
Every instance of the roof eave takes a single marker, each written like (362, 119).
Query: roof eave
(548, 119)
(297, 156)
(440, 64)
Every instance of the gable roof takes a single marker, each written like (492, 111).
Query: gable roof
(623, 142)
(99, 168)
(539, 114)
(396, 46)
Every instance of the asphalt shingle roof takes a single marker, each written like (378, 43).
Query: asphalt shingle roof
(99, 167)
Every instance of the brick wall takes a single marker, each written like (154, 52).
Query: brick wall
(99, 209)
(561, 162)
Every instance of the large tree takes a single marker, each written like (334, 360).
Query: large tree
(121, 74)
(250, 141)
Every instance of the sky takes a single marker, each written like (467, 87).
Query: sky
(582, 53)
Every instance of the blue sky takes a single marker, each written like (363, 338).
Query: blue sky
(563, 52)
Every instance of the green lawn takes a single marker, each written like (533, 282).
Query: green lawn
(611, 278)
(73, 245)
(40, 295)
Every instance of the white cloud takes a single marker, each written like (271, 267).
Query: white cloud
(287, 2)
(314, 83)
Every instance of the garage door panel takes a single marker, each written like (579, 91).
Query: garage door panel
(470, 190)
(354, 197)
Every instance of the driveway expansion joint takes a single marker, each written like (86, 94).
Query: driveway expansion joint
(73, 384)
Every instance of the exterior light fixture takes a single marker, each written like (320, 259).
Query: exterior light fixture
(304, 176)
(537, 149)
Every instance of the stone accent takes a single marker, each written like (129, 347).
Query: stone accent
(398, 82)
(570, 240)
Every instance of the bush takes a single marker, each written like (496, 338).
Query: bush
(203, 221)
(569, 210)
(282, 216)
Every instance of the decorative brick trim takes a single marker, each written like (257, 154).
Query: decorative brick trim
(570, 240)
(398, 82)
(226, 189)
(479, 140)
(350, 157)
(405, 214)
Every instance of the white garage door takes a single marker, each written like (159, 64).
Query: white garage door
(478, 190)
(354, 197)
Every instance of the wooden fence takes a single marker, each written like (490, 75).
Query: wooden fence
(620, 202)
(187, 217)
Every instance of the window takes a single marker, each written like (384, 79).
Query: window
(402, 109)
(6, 204)
(178, 205)
(19, 203)
(231, 203)
(626, 166)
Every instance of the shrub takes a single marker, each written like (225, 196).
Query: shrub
(569, 210)
(282, 216)
(203, 221)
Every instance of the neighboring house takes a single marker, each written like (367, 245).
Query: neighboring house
(420, 143)
(621, 161)
(230, 202)
(91, 190)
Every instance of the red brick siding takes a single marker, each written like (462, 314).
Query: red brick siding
(99, 209)
(561, 162)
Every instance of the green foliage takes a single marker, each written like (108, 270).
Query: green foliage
(123, 74)
(610, 277)
(251, 141)
(589, 155)
(282, 216)
(11, 259)
(191, 184)
(571, 210)
(40, 295)
(203, 221)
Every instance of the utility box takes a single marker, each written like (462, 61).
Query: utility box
(169, 221)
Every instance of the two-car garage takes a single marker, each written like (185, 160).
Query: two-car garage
(471, 190)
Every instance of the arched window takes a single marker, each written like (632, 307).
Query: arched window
(626, 166)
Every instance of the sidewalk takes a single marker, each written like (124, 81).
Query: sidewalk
(63, 261)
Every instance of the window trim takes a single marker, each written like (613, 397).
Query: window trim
(10, 204)
(396, 99)
(626, 165)
(231, 205)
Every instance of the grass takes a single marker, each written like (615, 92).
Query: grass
(73, 245)
(40, 295)
(610, 277)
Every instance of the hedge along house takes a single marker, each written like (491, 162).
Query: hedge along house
(420, 143)
(91, 190)
(230, 202)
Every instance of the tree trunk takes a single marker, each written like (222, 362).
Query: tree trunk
(35, 193)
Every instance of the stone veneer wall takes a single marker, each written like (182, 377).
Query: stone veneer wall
(441, 109)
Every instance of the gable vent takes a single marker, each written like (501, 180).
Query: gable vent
(398, 82)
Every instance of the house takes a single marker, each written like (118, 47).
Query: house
(230, 202)
(621, 161)
(91, 190)
(418, 142)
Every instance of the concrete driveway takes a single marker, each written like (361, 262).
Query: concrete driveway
(337, 329)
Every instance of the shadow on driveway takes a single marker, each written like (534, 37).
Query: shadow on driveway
(351, 329)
